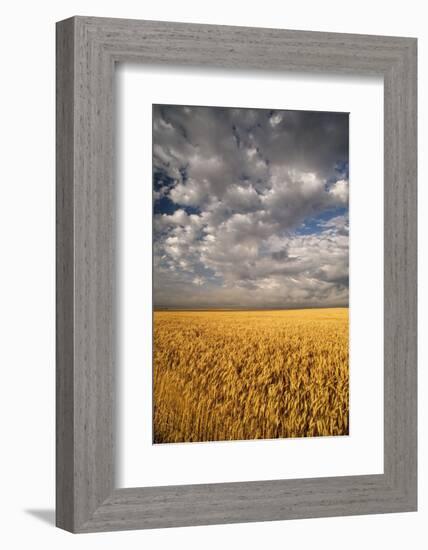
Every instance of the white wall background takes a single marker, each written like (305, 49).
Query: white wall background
(27, 272)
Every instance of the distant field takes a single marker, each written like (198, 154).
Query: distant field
(233, 375)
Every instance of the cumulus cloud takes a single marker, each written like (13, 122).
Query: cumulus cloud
(251, 208)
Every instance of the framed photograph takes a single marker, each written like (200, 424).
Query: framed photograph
(236, 274)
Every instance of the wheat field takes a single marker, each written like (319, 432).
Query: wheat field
(235, 375)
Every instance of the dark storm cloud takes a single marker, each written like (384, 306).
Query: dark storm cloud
(250, 207)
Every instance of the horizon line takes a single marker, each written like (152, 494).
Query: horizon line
(243, 308)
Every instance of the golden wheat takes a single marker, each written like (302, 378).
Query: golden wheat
(228, 375)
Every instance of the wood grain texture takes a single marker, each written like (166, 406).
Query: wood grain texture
(87, 49)
(64, 277)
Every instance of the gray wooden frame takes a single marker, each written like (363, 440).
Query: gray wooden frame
(87, 50)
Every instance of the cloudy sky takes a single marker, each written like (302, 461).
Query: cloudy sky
(250, 208)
